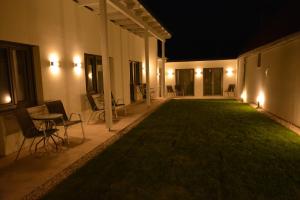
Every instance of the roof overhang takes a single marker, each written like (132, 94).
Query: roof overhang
(130, 15)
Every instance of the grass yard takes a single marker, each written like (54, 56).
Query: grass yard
(194, 149)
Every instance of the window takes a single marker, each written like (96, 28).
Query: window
(17, 83)
(93, 73)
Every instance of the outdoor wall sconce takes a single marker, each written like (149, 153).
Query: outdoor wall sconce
(7, 98)
(170, 73)
(54, 64)
(198, 72)
(77, 65)
(229, 71)
(260, 99)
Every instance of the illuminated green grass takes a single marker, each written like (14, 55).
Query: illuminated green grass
(194, 149)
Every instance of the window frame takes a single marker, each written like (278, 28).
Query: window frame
(29, 78)
(94, 72)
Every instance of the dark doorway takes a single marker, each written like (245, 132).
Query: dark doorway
(135, 79)
(185, 82)
(212, 81)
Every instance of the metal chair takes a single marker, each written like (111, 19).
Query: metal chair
(170, 90)
(230, 89)
(58, 107)
(179, 90)
(96, 109)
(29, 130)
(119, 103)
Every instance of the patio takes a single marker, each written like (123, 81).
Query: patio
(20, 178)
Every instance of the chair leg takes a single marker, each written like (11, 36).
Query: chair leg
(38, 144)
(31, 144)
(83, 134)
(66, 135)
(54, 142)
(20, 149)
(90, 117)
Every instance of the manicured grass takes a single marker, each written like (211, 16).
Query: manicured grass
(194, 149)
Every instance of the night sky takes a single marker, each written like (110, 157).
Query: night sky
(217, 29)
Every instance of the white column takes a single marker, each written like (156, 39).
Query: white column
(147, 68)
(105, 63)
(163, 69)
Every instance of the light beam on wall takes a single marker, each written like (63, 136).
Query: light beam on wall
(229, 71)
(170, 73)
(260, 99)
(244, 96)
(198, 72)
(77, 65)
(54, 63)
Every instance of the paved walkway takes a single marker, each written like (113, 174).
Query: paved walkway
(17, 179)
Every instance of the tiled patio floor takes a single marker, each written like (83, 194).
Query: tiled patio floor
(17, 179)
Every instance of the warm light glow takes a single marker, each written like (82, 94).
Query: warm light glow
(170, 73)
(54, 63)
(229, 71)
(198, 72)
(7, 98)
(90, 75)
(77, 65)
(260, 99)
(244, 96)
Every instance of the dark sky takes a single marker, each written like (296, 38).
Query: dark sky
(215, 29)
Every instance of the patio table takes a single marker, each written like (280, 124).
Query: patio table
(48, 119)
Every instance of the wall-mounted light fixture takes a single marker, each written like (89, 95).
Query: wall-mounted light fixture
(7, 98)
(170, 73)
(77, 65)
(54, 63)
(198, 72)
(260, 99)
(229, 71)
(90, 75)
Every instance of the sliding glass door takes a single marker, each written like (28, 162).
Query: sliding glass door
(212, 81)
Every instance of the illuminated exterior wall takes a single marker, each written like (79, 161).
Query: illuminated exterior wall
(276, 79)
(63, 31)
(198, 68)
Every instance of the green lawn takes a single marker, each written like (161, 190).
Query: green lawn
(194, 149)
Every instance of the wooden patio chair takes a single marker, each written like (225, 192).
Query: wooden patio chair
(30, 131)
(58, 107)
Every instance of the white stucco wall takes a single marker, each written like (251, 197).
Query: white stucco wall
(196, 65)
(63, 28)
(277, 79)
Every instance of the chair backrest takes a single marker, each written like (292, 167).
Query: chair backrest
(57, 107)
(92, 102)
(25, 122)
(178, 87)
(170, 88)
(231, 87)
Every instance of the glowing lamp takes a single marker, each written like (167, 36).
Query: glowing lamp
(54, 63)
(170, 73)
(7, 99)
(198, 72)
(229, 71)
(77, 65)
(260, 99)
(244, 96)
(90, 75)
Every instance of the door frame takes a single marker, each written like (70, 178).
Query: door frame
(192, 76)
(212, 88)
